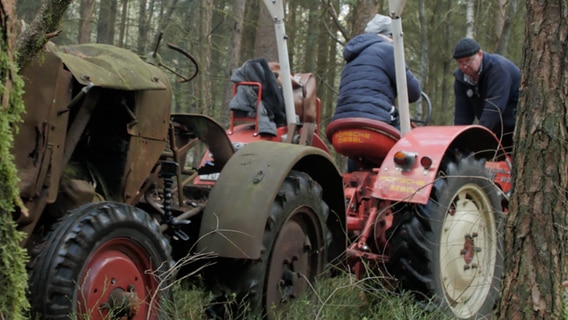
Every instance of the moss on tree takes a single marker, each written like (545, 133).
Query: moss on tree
(43, 27)
(13, 258)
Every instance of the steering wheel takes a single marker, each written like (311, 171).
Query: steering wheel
(421, 111)
(156, 60)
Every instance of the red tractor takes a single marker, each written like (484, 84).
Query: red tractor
(116, 205)
(426, 210)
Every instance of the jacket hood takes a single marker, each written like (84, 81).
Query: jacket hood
(356, 45)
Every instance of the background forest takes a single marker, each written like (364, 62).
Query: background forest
(222, 34)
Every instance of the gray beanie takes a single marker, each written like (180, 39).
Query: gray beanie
(466, 47)
(379, 24)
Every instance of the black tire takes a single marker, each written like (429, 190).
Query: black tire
(449, 251)
(293, 253)
(98, 252)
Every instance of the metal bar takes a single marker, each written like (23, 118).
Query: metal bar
(395, 8)
(276, 9)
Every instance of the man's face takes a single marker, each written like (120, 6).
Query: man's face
(470, 65)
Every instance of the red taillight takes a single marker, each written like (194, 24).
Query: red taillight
(426, 162)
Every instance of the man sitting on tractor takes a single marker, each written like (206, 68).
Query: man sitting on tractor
(368, 81)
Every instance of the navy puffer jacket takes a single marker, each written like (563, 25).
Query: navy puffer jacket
(368, 80)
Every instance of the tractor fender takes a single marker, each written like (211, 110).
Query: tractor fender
(415, 183)
(210, 132)
(239, 204)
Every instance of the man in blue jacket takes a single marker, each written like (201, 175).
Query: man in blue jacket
(486, 87)
(368, 81)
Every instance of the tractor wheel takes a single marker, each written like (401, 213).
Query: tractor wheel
(293, 253)
(449, 250)
(101, 261)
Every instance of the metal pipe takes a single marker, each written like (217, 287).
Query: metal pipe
(400, 67)
(395, 8)
(276, 9)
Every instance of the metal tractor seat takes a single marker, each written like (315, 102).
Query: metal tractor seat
(361, 139)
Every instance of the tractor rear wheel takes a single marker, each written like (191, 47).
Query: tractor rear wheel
(102, 261)
(450, 248)
(293, 253)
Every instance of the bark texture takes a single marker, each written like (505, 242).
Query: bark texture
(535, 239)
(43, 27)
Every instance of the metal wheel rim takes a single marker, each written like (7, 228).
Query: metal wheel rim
(293, 263)
(118, 265)
(468, 250)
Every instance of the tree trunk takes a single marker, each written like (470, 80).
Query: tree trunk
(86, 10)
(43, 27)
(293, 20)
(503, 37)
(7, 72)
(107, 22)
(310, 48)
(143, 27)
(235, 49)
(364, 11)
(535, 237)
(325, 58)
(500, 15)
(252, 10)
(122, 27)
(166, 15)
(448, 66)
(265, 41)
(423, 41)
(469, 19)
(26, 9)
(205, 54)
(13, 275)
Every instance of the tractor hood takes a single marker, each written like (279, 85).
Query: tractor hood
(108, 67)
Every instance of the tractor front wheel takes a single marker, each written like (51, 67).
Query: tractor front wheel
(450, 248)
(102, 261)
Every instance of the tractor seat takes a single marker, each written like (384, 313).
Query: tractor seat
(306, 103)
(362, 139)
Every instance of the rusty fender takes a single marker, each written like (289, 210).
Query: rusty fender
(238, 207)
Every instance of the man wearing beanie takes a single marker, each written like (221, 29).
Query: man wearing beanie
(486, 88)
(367, 88)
